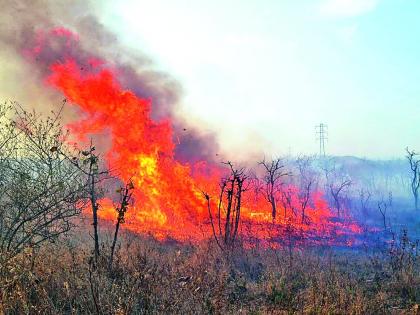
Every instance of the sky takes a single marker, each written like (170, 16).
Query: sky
(259, 75)
(262, 74)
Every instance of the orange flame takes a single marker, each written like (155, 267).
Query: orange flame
(168, 194)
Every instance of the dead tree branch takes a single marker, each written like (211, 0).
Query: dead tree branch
(272, 178)
(228, 213)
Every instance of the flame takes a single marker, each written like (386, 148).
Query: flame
(168, 194)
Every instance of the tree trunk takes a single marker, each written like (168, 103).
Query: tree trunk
(95, 216)
(273, 208)
(114, 242)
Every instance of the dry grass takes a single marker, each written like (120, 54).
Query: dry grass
(151, 277)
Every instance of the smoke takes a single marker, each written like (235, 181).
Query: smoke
(25, 34)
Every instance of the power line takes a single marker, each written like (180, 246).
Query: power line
(321, 132)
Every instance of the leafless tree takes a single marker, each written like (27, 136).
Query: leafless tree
(126, 194)
(287, 202)
(272, 178)
(383, 206)
(40, 191)
(364, 198)
(415, 177)
(335, 190)
(225, 220)
(94, 174)
(336, 183)
(307, 179)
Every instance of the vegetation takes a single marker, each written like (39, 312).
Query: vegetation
(50, 263)
(40, 191)
(150, 277)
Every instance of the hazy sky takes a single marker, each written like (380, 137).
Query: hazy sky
(262, 73)
(266, 72)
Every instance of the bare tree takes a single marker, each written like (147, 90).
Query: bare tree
(335, 190)
(287, 202)
(336, 183)
(383, 207)
(94, 174)
(307, 179)
(415, 177)
(126, 194)
(273, 173)
(364, 198)
(40, 191)
(225, 221)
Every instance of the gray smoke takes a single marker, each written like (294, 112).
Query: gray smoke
(24, 24)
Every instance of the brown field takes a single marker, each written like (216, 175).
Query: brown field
(150, 277)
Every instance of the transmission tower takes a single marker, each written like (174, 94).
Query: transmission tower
(321, 131)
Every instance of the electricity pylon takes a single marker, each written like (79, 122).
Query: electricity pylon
(321, 131)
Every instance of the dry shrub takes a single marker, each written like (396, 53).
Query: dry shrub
(151, 277)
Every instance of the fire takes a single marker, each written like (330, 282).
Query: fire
(168, 193)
